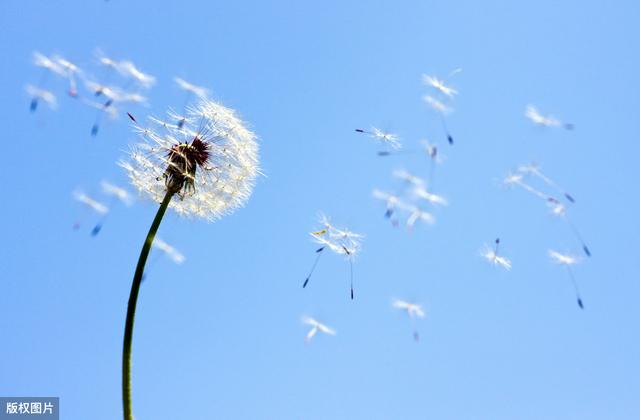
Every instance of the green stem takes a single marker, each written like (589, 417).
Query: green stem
(131, 308)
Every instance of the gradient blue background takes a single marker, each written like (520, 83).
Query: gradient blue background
(220, 336)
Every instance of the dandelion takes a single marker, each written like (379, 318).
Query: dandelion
(568, 260)
(43, 95)
(491, 255)
(532, 113)
(207, 169)
(437, 104)
(340, 241)
(413, 310)
(518, 180)
(389, 139)
(315, 327)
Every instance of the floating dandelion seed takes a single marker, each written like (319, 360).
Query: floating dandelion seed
(568, 261)
(416, 214)
(413, 310)
(190, 90)
(517, 179)
(439, 85)
(94, 205)
(532, 113)
(340, 241)
(172, 253)
(43, 95)
(389, 139)
(113, 95)
(560, 210)
(408, 177)
(315, 327)
(210, 165)
(70, 73)
(423, 193)
(118, 192)
(533, 169)
(128, 69)
(391, 201)
(491, 255)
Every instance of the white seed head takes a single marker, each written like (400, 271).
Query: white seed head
(213, 180)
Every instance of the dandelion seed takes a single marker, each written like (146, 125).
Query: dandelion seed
(38, 95)
(94, 205)
(120, 193)
(442, 110)
(533, 169)
(567, 261)
(70, 73)
(517, 179)
(210, 168)
(390, 200)
(127, 68)
(416, 214)
(315, 327)
(172, 253)
(408, 177)
(388, 139)
(492, 256)
(423, 193)
(190, 90)
(413, 310)
(560, 210)
(340, 241)
(439, 85)
(537, 118)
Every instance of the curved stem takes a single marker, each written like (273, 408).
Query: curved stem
(131, 308)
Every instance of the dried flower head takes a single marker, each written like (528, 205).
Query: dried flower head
(211, 162)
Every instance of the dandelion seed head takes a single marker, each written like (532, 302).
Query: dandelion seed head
(211, 163)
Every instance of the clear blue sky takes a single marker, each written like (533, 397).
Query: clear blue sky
(219, 337)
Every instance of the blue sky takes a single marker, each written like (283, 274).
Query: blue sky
(220, 335)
